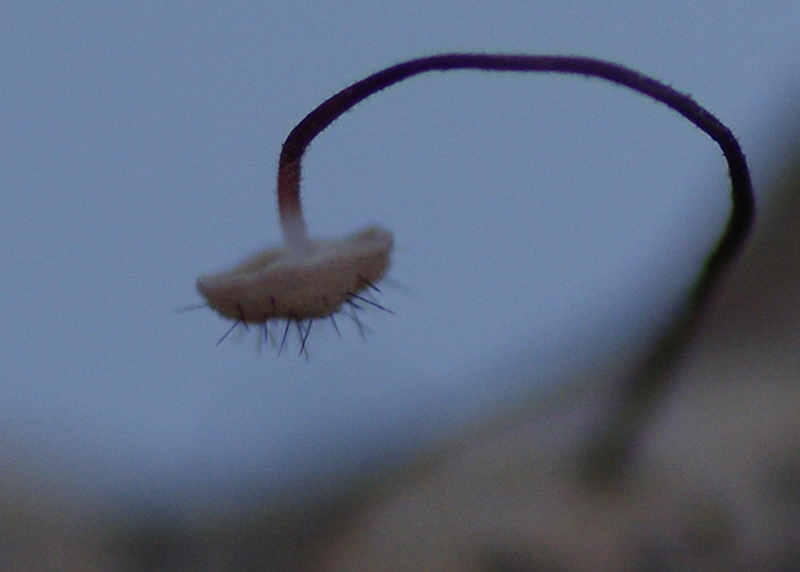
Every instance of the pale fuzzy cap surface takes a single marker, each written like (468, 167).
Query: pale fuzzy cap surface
(299, 283)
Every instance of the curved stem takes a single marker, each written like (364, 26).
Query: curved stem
(648, 380)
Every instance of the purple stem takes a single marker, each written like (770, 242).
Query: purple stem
(649, 379)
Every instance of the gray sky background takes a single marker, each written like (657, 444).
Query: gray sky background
(542, 223)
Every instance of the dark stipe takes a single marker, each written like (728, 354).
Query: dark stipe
(370, 302)
(304, 337)
(226, 334)
(608, 452)
(285, 333)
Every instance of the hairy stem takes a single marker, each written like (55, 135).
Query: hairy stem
(613, 443)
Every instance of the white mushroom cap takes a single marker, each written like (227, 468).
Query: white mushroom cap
(299, 283)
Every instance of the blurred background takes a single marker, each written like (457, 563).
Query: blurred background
(545, 227)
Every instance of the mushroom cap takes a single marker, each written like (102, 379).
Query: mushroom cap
(306, 282)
